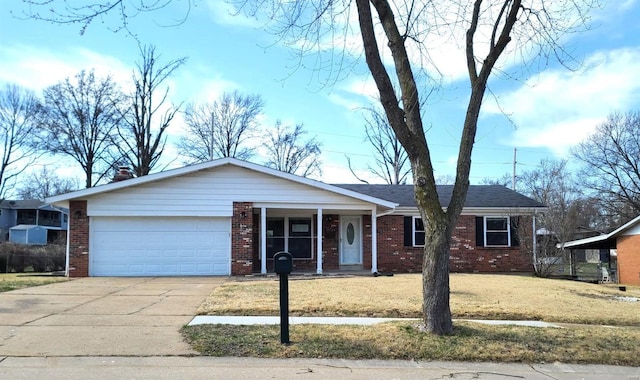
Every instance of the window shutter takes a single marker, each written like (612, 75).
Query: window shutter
(515, 239)
(408, 231)
(479, 231)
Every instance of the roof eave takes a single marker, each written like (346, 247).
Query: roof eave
(64, 199)
(482, 210)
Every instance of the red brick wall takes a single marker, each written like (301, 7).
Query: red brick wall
(628, 248)
(366, 242)
(393, 256)
(242, 239)
(78, 239)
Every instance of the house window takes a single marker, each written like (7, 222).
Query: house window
(295, 238)
(418, 232)
(300, 238)
(497, 232)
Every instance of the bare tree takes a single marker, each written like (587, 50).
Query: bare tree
(19, 109)
(391, 160)
(79, 120)
(147, 114)
(45, 183)
(221, 128)
(553, 185)
(505, 180)
(611, 166)
(288, 152)
(403, 27)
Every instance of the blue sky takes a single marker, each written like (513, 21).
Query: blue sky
(549, 110)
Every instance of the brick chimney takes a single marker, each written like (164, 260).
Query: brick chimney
(123, 174)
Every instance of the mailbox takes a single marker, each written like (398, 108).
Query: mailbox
(282, 263)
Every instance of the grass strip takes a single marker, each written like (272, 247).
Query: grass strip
(404, 340)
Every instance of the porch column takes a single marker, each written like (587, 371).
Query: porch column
(319, 251)
(263, 240)
(534, 242)
(374, 241)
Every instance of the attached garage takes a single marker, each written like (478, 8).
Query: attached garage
(159, 246)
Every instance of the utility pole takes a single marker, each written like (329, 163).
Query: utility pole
(513, 178)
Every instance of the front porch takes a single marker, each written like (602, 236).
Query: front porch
(347, 241)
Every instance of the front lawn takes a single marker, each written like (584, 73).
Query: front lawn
(13, 281)
(472, 297)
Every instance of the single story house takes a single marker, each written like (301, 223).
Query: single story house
(31, 212)
(229, 217)
(623, 243)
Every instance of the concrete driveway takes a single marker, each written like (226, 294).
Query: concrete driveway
(102, 316)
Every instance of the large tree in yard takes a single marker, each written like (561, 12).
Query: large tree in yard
(398, 39)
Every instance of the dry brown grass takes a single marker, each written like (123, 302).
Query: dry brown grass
(472, 296)
(403, 340)
(13, 281)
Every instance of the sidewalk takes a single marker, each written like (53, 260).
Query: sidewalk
(173, 367)
(269, 320)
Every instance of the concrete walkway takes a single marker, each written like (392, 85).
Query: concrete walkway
(269, 320)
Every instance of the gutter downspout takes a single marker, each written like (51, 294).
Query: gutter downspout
(66, 264)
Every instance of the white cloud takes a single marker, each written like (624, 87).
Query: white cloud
(366, 88)
(333, 172)
(560, 108)
(37, 68)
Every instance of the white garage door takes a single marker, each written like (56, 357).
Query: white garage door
(127, 246)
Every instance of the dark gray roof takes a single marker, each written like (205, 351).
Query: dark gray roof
(22, 204)
(478, 195)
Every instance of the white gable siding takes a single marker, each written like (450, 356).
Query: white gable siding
(635, 230)
(210, 193)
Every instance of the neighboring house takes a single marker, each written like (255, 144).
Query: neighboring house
(230, 217)
(623, 244)
(19, 216)
(28, 234)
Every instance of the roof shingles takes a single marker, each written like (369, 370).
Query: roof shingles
(477, 196)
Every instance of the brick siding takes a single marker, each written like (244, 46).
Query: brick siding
(628, 259)
(394, 256)
(78, 239)
(242, 238)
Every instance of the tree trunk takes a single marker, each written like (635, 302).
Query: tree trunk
(435, 279)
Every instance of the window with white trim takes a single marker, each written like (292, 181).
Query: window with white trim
(497, 231)
(294, 235)
(418, 232)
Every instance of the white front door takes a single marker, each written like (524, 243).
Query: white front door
(350, 240)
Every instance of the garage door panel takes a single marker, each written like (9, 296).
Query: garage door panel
(126, 246)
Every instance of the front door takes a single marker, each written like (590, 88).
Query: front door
(350, 240)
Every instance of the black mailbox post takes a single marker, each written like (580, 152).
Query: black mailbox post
(283, 265)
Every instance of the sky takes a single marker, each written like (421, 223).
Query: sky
(540, 109)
